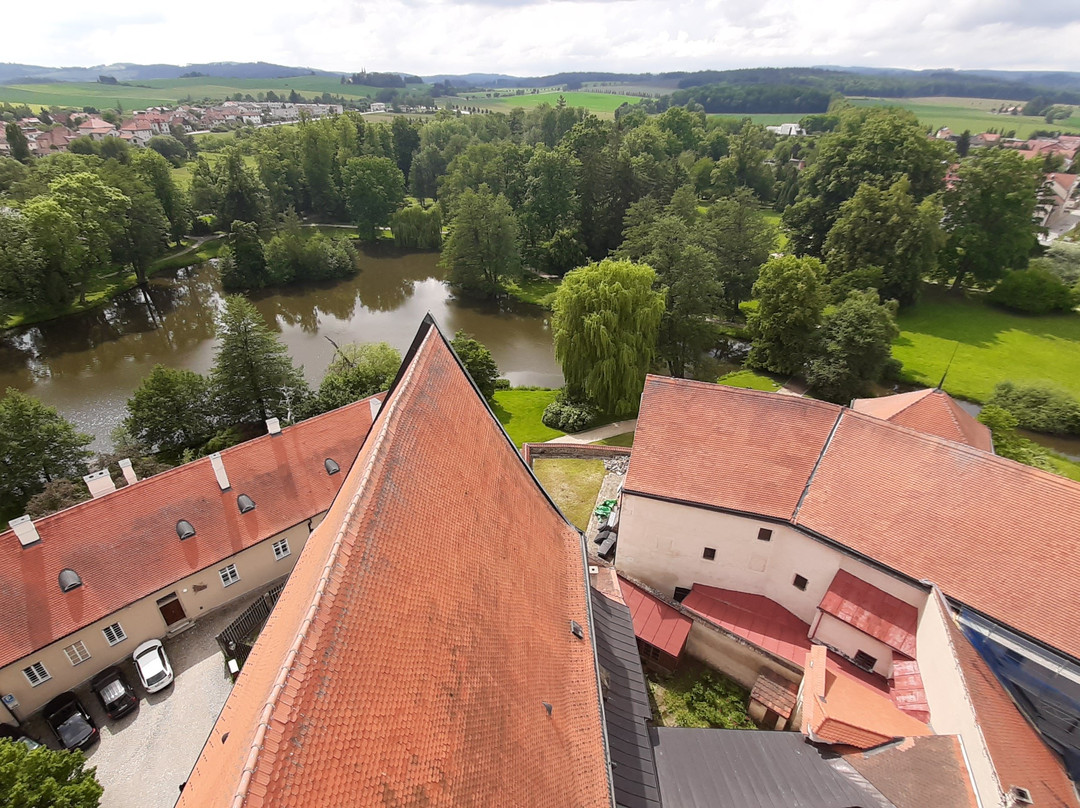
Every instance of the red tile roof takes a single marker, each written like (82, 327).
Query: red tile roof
(919, 772)
(426, 624)
(684, 425)
(136, 528)
(933, 411)
(872, 611)
(655, 622)
(929, 508)
(1018, 753)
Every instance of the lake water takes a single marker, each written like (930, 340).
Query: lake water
(88, 365)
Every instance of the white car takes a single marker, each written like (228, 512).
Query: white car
(153, 666)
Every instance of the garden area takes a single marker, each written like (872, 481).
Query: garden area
(573, 485)
(698, 696)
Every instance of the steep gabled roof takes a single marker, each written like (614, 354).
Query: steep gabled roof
(932, 411)
(134, 528)
(425, 630)
(872, 611)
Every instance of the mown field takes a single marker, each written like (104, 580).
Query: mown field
(970, 113)
(172, 91)
(600, 103)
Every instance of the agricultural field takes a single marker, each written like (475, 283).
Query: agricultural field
(599, 103)
(970, 113)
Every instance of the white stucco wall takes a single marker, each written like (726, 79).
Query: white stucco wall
(848, 640)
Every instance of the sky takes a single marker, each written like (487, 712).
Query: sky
(535, 37)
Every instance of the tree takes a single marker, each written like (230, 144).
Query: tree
(156, 173)
(741, 239)
(21, 262)
(238, 193)
(56, 235)
(253, 376)
(1008, 443)
(173, 150)
(243, 266)
(551, 200)
(20, 146)
(374, 189)
(856, 346)
(46, 778)
(605, 325)
(406, 142)
(171, 410)
(989, 217)
(478, 362)
(98, 211)
(55, 496)
(481, 249)
(884, 230)
(37, 445)
(790, 304)
(414, 228)
(144, 231)
(357, 371)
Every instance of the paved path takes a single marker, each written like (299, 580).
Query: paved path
(599, 433)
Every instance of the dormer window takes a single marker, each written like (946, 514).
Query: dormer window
(184, 529)
(69, 579)
(245, 503)
(331, 466)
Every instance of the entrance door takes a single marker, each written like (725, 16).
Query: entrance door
(172, 611)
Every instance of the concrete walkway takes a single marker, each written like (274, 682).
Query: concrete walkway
(599, 433)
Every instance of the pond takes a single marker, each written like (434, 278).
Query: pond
(88, 365)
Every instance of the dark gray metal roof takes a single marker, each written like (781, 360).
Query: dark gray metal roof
(717, 768)
(626, 705)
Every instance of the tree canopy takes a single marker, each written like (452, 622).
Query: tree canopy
(357, 371)
(784, 326)
(46, 778)
(478, 362)
(481, 250)
(171, 410)
(856, 345)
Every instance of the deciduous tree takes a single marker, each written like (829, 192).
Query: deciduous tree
(374, 189)
(481, 250)
(357, 371)
(171, 410)
(856, 344)
(478, 361)
(790, 304)
(46, 778)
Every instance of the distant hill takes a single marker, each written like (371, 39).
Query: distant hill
(125, 71)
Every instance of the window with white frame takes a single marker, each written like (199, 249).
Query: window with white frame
(77, 653)
(36, 674)
(114, 633)
(229, 575)
(281, 549)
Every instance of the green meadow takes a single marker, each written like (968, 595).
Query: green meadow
(600, 103)
(970, 113)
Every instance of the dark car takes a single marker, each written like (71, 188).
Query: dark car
(16, 734)
(69, 720)
(114, 693)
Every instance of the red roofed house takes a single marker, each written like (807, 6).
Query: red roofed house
(784, 525)
(434, 645)
(152, 557)
(139, 129)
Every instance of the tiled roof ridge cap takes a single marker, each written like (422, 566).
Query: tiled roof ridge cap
(744, 391)
(251, 763)
(168, 473)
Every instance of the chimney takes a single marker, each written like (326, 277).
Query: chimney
(219, 471)
(25, 530)
(129, 472)
(375, 405)
(99, 483)
(273, 426)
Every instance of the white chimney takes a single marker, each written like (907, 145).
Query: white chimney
(25, 530)
(129, 472)
(273, 426)
(219, 471)
(376, 405)
(99, 483)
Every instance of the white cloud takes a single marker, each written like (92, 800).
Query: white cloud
(530, 37)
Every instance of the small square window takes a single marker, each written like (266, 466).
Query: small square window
(764, 534)
(36, 674)
(709, 554)
(680, 593)
(76, 653)
(281, 549)
(800, 583)
(229, 575)
(114, 633)
(865, 661)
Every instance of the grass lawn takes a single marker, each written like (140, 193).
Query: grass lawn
(970, 113)
(519, 412)
(1065, 467)
(992, 345)
(751, 380)
(600, 103)
(532, 288)
(625, 439)
(573, 484)
(773, 218)
(697, 696)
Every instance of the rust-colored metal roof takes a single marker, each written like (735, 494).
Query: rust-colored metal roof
(135, 528)
(655, 622)
(872, 611)
(425, 628)
(755, 618)
(932, 411)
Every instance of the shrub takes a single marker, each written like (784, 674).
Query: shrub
(1033, 291)
(1039, 408)
(568, 415)
(203, 225)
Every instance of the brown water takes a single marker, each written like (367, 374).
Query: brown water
(88, 365)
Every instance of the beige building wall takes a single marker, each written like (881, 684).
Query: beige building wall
(662, 544)
(199, 594)
(951, 710)
(733, 656)
(848, 640)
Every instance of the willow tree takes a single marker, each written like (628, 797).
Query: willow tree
(606, 321)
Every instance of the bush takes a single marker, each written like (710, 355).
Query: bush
(1039, 408)
(203, 225)
(568, 415)
(1033, 291)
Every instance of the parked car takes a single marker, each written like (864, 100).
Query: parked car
(15, 734)
(116, 696)
(69, 720)
(153, 666)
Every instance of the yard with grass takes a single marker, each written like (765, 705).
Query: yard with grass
(970, 113)
(573, 484)
(750, 380)
(531, 288)
(604, 104)
(698, 696)
(992, 345)
(519, 411)
(625, 439)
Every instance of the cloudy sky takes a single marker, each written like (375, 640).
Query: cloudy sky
(529, 37)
